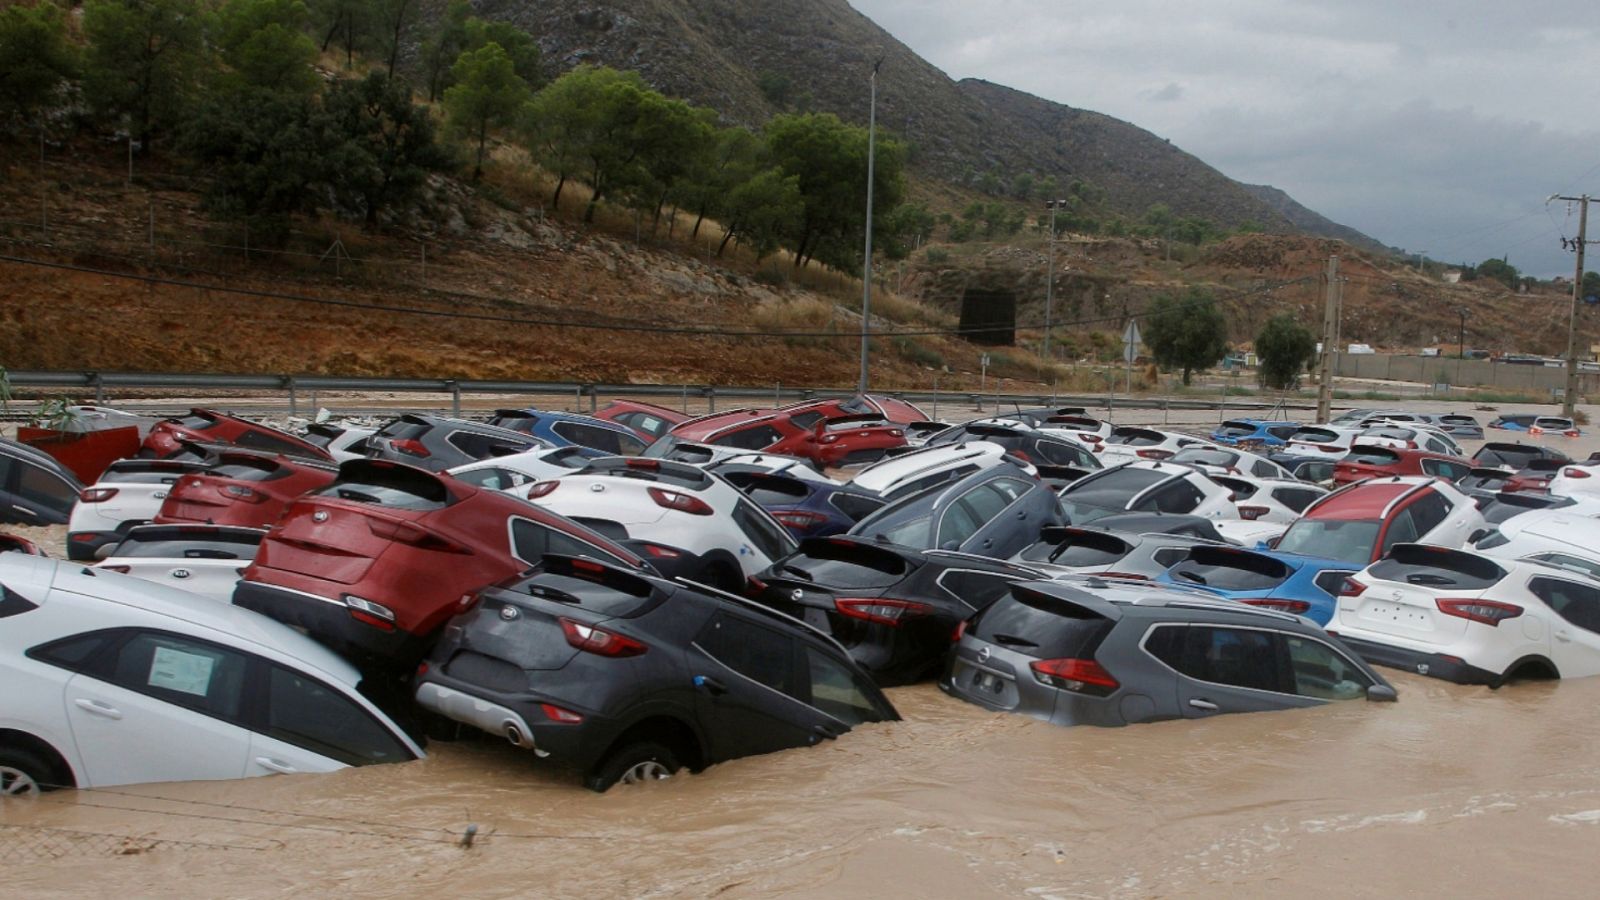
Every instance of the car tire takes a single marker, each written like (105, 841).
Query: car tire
(634, 764)
(23, 774)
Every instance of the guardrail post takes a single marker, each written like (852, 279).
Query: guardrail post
(99, 389)
(288, 382)
(455, 398)
(711, 398)
(577, 399)
(594, 398)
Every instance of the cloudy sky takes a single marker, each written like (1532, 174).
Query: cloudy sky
(1435, 126)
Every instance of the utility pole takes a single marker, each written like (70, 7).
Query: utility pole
(1330, 338)
(1462, 335)
(866, 276)
(1050, 276)
(1569, 401)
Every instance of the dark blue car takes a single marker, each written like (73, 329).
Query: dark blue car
(808, 507)
(1288, 582)
(1258, 432)
(564, 429)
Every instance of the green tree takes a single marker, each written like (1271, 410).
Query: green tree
(733, 158)
(762, 211)
(1285, 348)
(487, 95)
(381, 146)
(261, 154)
(830, 160)
(262, 42)
(776, 87)
(668, 133)
(518, 44)
(443, 45)
(1500, 271)
(1591, 284)
(36, 60)
(390, 19)
(143, 60)
(581, 127)
(347, 21)
(1023, 187)
(1188, 333)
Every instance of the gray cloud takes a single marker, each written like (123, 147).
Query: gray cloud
(1437, 128)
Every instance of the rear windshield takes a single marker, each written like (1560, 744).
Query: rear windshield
(1512, 456)
(1437, 567)
(1205, 457)
(1083, 548)
(1347, 540)
(397, 487)
(1372, 456)
(1236, 429)
(1230, 571)
(1041, 626)
(402, 430)
(166, 545)
(165, 473)
(264, 470)
(768, 490)
(1134, 437)
(844, 564)
(1115, 488)
(1315, 436)
(196, 421)
(1458, 420)
(1242, 490)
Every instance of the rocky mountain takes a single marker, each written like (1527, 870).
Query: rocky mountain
(751, 59)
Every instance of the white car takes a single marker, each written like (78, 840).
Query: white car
(1270, 499)
(1553, 535)
(1146, 486)
(1250, 533)
(1087, 429)
(1128, 443)
(108, 680)
(130, 492)
(1330, 442)
(1410, 437)
(777, 464)
(1578, 479)
(908, 473)
(344, 441)
(676, 504)
(201, 559)
(515, 470)
(1471, 618)
(1228, 461)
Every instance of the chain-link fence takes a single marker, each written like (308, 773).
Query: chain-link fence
(22, 844)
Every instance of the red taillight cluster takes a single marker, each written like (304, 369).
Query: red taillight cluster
(410, 447)
(368, 613)
(1570, 473)
(960, 632)
(881, 610)
(561, 716)
(542, 488)
(1081, 676)
(797, 518)
(1489, 612)
(679, 501)
(1297, 607)
(1253, 513)
(96, 495)
(599, 641)
(1352, 588)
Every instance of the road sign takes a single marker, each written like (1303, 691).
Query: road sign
(1130, 341)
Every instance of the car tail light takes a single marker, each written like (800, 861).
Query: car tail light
(1081, 676)
(680, 501)
(1155, 454)
(753, 585)
(561, 716)
(799, 518)
(1489, 612)
(410, 447)
(1253, 512)
(101, 495)
(1570, 473)
(407, 533)
(895, 432)
(1411, 445)
(659, 552)
(542, 488)
(960, 632)
(1352, 588)
(1090, 438)
(1298, 607)
(1133, 575)
(651, 465)
(1022, 456)
(881, 610)
(240, 492)
(123, 569)
(599, 641)
(422, 668)
(368, 613)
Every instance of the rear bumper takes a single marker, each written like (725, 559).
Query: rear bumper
(479, 713)
(329, 621)
(82, 545)
(578, 744)
(1433, 665)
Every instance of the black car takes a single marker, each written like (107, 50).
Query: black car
(892, 607)
(1516, 457)
(631, 678)
(35, 489)
(993, 512)
(437, 443)
(1020, 440)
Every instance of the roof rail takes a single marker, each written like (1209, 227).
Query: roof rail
(957, 554)
(1232, 606)
(747, 603)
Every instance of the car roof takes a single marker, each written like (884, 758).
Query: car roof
(1125, 598)
(1365, 499)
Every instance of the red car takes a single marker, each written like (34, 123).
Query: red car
(208, 426)
(242, 488)
(376, 562)
(807, 433)
(647, 420)
(10, 543)
(900, 412)
(1369, 461)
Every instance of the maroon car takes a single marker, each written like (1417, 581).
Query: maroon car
(208, 426)
(242, 488)
(1372, 461)
(376, 562)
(805, 433)
(900, 412)
(647, 420)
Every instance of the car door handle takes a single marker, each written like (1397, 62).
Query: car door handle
(1023, 514)
(1564, 636)
(1206, 705)
(276, 765)
(710, 685)
(95, 707)
(24, 510)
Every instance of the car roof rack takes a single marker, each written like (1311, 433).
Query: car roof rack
(768, 611)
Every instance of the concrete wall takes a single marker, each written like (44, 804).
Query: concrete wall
(1462, 373)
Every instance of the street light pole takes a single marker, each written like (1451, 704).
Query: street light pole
(866, 269)
(1050, 277)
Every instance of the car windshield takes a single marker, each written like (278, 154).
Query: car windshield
(1347, 540)
(1205, 457)
(1236, 429)
(1113, 489)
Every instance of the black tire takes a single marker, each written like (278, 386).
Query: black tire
(644, 760)
(24, 774)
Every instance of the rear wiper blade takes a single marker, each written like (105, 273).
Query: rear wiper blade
(798, 571)
(1425, 578)
(358, 496)
(1012, 640)
(1190, 576)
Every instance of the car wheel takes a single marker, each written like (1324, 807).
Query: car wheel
(22, 774)
(634, 764)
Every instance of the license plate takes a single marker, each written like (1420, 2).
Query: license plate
(987, 681)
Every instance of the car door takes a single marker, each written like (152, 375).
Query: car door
(747, 681)
(1011, 514)
(1225, 669)
(157, 706)
(970, 523)
(1575, 635)
(306, 725)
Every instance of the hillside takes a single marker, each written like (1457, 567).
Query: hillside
(717, 52)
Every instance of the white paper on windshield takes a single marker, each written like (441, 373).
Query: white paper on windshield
(175, 670)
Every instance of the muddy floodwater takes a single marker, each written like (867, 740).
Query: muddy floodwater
(1452, 790)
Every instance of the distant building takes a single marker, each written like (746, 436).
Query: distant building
(1453, 276)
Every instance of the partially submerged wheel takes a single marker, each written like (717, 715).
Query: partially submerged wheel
(22, 775)
(634, 764)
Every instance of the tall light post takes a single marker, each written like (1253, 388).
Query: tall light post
(1050, 276)
(866, 269)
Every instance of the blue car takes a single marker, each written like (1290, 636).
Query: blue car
(564, 429)
(807, 507)
(1259, 432)
(1288, 582)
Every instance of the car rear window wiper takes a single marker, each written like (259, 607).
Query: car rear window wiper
(359, 496)
(1427, 578)
(798, 571)
(1191, 576)
(1011, 640)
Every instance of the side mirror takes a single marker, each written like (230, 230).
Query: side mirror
(1273, 543)
(1476, 536)
(1263, 545)
(950, 545)
(106, 551)
(1382, 693)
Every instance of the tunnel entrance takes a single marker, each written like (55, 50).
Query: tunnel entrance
(989, 317)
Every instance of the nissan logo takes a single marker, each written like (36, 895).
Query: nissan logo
(797, 595)
(983, 654)
(320, 515)
(508, 612)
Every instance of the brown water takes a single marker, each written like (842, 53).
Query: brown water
(1451, 790)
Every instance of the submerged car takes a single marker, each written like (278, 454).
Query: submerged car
(1146, 486)
(630, 678)
(994, 513)
(1255, 432)
(1114, 553)
(1288, 582)
(1359, 523)
(1094, 651)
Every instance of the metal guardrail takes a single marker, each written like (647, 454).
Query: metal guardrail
(102, 382)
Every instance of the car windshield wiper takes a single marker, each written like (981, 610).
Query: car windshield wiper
(1011, 640)
(358, 496)
(798, 571)
(1425, 578)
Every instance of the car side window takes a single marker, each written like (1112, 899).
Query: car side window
(1167, 557)
(260, 440)
(1178, 497)
(644, 422)
(836, 690)
(493, 479)
(1296, 499)
(806, 420)
(975, 590)
(758, 437)
(1402, 530)
(1059, 454)
(194, 675)
(1571, 563)
(530, 541)
(473, 445)
(770, 539)
(855, 506)
(1577, 603)
(758, 653)
(1236, 657)
(1428, 511)
(1321, 672)
(312, 716)
(1009, 489)
(1263, 469)
(588, 436)
(43, 487)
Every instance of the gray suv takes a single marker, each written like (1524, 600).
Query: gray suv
(1092, 651)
